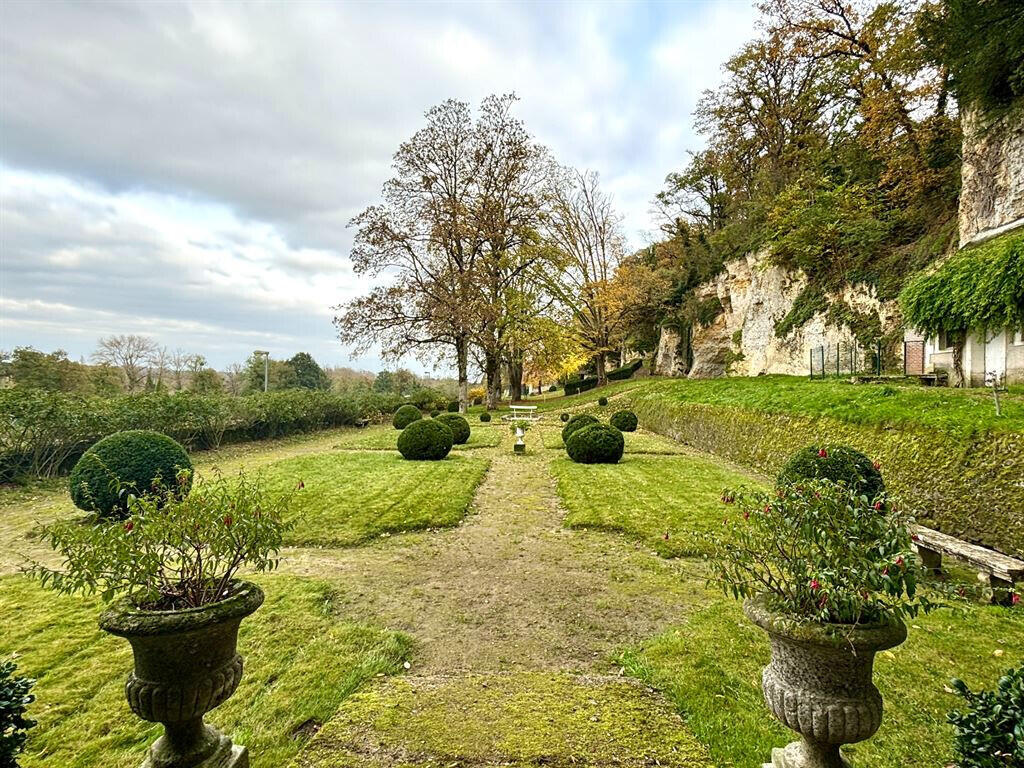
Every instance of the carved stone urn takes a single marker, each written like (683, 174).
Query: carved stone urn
(818, 683)
(186, 664)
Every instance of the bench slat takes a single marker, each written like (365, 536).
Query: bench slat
(990, 561)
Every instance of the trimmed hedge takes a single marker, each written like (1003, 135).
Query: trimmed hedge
(453, 406)
(578, 421)
(838, 463)
(575, 386)
(458, 425)
(405, 416)
(129, 461)
(624, 421)
(965, 484)
(425, 440)
(602, 401)
(435, 413)
(485, 417)
(595, 444)
(42, 433)
(564, 417)
(626, 371)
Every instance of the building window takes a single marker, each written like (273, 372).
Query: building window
(942, 342)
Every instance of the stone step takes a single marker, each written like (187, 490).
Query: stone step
(521, 719)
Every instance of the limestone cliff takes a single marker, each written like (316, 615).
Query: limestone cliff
(992, 195)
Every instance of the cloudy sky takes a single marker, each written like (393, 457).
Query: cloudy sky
(186, 171)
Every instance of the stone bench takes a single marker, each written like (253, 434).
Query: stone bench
(1001, 571)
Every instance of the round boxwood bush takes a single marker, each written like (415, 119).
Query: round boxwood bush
(458, 425)
(434, 414)
(453, 406)
(578, 421)
(602, 400)
(595, 444)
(485, 417)
(127, 463)
(405, 416)
(425, 440)
(624, 421)
(838, 463)
(564, 417)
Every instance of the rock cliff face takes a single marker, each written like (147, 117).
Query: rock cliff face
(992, 197)
(756, 296)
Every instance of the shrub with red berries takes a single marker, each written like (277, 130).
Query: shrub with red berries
(838, 463)
(819, 551)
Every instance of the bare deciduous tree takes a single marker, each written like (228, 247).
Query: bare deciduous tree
(130, 353)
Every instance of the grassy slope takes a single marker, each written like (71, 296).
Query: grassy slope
(352, 497)
(301, 661)
(951, 410)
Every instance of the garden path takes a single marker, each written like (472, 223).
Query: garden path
(516, 619)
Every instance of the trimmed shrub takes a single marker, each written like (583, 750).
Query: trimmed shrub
(578, 421)
(425, 440)
(564, 417)
(405, 416)
(575, 386)
(626, 371)
(624, 421)
(602, 401)
(15, 697)
(435, 413)
(458, 425)
(485, 417)
(838, 463)
(453, 406)
(595, 444)
(990, 732)
(552, 388)
(128, 463)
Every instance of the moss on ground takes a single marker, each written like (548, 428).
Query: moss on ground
(528, 718)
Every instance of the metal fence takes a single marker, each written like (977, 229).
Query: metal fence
(849, 358)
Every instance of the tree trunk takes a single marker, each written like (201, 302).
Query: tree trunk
(602, 375)
(958, 363)
(492, 373)
(462, 354)
(515, 370)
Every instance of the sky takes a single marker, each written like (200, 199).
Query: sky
(186, 171)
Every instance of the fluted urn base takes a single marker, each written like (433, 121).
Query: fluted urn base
(195, 745)
(801, 754)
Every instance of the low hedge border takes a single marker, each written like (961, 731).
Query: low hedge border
(970, 487)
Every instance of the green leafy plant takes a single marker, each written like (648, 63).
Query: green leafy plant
(435, 413)
(602, 401)
(425, 440)
(453, 406)
(578, 421)
(818, 551)
(405, 416)
(170, 552)
(838, 463)
(485, 417)
(624, 421)
(128, 464)
(990, 732)
(595, 444)
(15, 696)
(458, 425)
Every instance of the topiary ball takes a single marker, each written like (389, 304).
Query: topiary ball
(485, 417)
(458, 425)
(578, 421)
(434, 414)
(624, 421)
(425, 440)
(595, 444)
(127, 463)
(602, 400)
(838, 463)
(405, 416)
(453, 406)
(564, 417)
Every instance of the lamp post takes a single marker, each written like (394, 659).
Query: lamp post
(266, 366)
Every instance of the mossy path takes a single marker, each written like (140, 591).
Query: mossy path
(515, 619)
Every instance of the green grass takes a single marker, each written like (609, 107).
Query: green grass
(385, 438)
(301, 661)
(648, 498)
(352, 497)
(940, 408)
(711, 668)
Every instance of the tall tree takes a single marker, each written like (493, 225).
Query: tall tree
(308, 373)
(130, 353)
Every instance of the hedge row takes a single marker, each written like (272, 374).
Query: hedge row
(575, 386)
(971, 486)
(626, 371)
(43, 433)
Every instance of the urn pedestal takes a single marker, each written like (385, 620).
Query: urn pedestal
(186, 663)
(819, 684)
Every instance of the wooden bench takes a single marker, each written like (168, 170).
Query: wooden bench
(1001, 571)
(937, 379)
(362, 422)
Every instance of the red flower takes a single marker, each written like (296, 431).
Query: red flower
(228, 520)
(877, 465)
(822, 453)
(914, 537)
(1014, 599)
(767, 509)
(885, 571)
(746, 514)
(899, 561)
(815, 585)
(878, 505)
(128, 526)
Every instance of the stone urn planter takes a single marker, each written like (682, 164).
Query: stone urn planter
(818, 683)
(186, 663)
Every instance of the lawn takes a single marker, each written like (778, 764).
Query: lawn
(889, 405)
(351, 497)
(640, 441)
(664, 501)
(302, 659)
(385, 437)
(711, 669)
